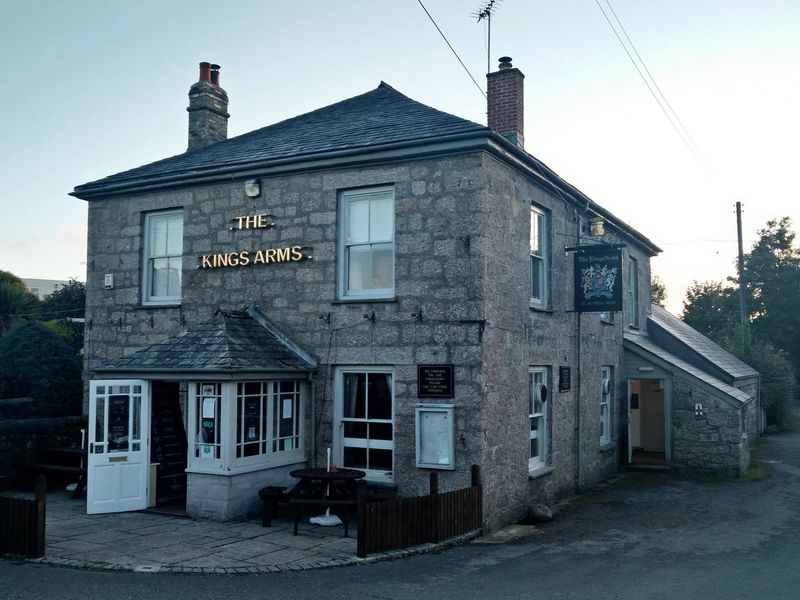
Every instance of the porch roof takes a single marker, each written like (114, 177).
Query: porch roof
(231, 342)
(644, 346)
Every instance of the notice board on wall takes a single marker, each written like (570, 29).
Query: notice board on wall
(435, 381)
(435, 436)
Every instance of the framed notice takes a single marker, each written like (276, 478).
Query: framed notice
(435, 381)
(435, 436)
(564, 379)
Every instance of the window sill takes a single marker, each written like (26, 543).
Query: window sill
(541, 309)
(364, 300)
(608, 447)
(150, 306)
(238, 470)
(540, 472)
(607, 322)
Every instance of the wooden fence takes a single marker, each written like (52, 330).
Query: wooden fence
(405, 522)
(22, 523)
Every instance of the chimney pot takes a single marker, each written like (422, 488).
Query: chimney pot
(215, 74)
(505, 102)
(205, 71)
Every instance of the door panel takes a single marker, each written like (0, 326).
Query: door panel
(119, 456)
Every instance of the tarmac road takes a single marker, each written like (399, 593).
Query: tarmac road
(644, 536)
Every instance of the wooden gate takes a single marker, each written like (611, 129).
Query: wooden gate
(22, 523)
(418, 520)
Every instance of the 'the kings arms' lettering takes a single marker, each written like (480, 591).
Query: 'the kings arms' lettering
(245, 257)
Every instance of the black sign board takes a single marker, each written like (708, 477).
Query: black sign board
(598, 279)
(435, 381)
(564, 382)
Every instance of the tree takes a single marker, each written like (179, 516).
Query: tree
(16, 303)
(37, 363)
(658, 291)
(772, 275)
(712, 308)
(9, 277)
(67, 301)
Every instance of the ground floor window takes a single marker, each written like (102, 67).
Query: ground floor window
(365, 420)
(244, 424)
(537, 417)
(606, 392)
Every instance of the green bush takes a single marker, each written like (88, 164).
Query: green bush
(36, 363)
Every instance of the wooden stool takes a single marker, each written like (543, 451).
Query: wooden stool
(271, 496)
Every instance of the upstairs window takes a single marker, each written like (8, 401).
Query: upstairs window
(540, 257)
(633, 292)
(163, 257)
(366, 255)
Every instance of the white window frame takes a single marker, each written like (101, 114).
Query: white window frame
(148, 299)
(339, 439)
(224, 460)
(539, 261)
(606, 394)
(541, 433)
(346, 198)
(633, 292)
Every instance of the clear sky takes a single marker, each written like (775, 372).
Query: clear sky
(94, 87)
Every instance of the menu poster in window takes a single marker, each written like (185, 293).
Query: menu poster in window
(118, 422)
(251, 417)
(435, 381)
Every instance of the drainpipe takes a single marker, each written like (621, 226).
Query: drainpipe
(313, 435)
(578, 383)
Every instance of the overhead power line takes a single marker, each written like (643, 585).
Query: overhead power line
(449, 45)
(652, 86)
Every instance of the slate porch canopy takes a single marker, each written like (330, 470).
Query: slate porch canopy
(232, 345)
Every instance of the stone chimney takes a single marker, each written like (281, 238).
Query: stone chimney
(506, 112)
(208, 109)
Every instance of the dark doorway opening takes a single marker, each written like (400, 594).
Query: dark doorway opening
(168, 447)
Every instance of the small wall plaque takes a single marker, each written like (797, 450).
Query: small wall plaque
(564, 379)
(435, 381)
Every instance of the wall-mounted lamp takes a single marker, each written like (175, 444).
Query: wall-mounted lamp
(597, 225)
(252, 188)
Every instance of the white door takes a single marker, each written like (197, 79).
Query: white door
(119, 453)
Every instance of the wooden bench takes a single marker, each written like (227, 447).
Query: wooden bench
(271, 496)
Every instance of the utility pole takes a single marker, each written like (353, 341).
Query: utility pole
(742, 284)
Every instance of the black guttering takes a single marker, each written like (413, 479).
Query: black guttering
(485, 140)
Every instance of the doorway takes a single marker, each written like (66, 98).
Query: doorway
(648, 442)
(168, 448)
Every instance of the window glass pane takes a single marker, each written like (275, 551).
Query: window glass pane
(118, 423)
(100, 428)
(174, 240)
(536, 233)
(159, 277)
(534, 447)
(536, 277)
(358, 221)
(354, 396)
(174, 276)
(381, 219)
(380, 460)
(157, 236)
(380, 396)
(355, 458)
(136, 403)
(380, 431)
(358, 268)
(382, 266)
(355, 429)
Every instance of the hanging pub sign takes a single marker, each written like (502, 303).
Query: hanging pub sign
(598, 279)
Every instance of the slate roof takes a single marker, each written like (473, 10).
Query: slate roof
(700, 344)
(644, 342)
(231, 342)
(377, 118)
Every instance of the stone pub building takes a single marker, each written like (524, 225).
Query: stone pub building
(391, 282)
